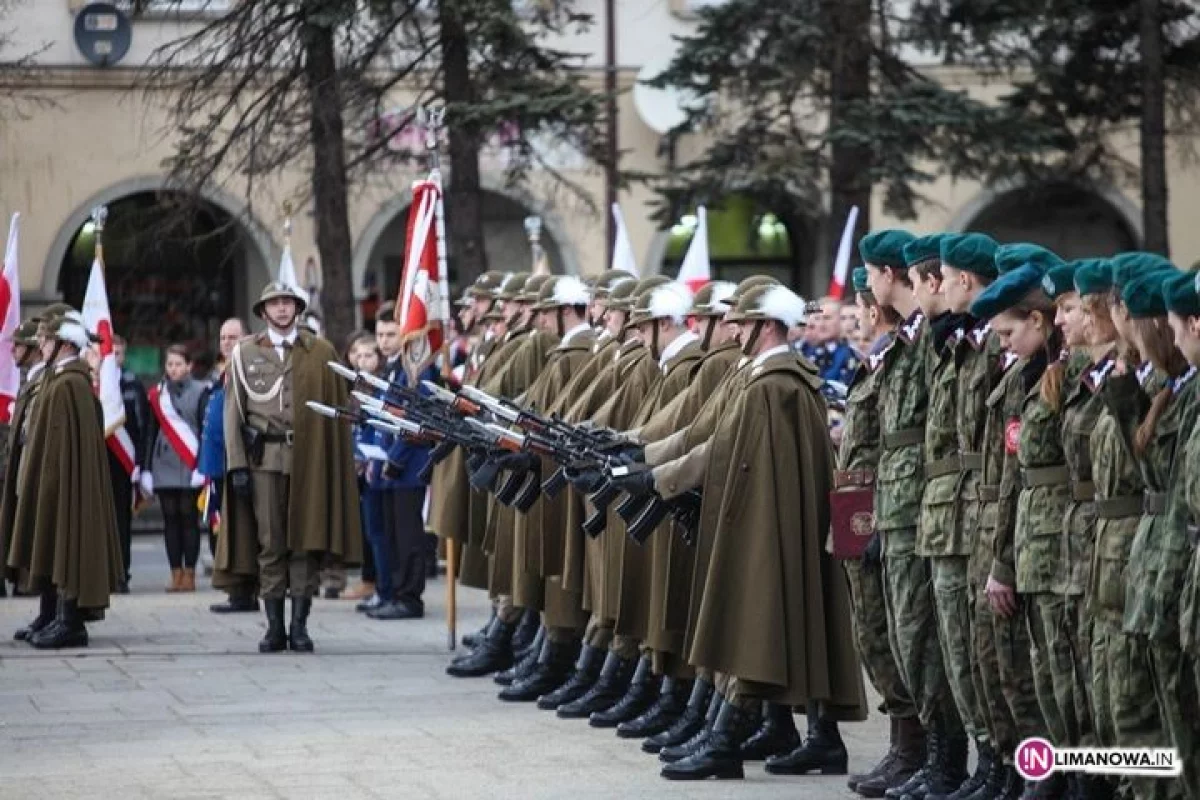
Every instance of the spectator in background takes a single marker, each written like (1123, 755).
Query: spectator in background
(835, 357)
(137, 415)
(363, 354)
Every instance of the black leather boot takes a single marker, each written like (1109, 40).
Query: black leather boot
(587, 672)
(900, 763)
(778, 738)
(641, 694)
(678, 752)
(237, 603)
(524, 662)
(47, 612)
(944, 771)
(822, 751)
(670, 705)
(720, 756)
(68, 629)
(298, 638)
(1012, 786)
(607, 691)
(552, 671)
(492, 654)
(993, 786)
(529, 627)
(275, 640)
(983, 769)
(472, 640)
(909, 788)
(1051, 788)
(691, 721)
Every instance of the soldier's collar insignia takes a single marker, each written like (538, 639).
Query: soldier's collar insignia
(1183, 380)
(912, 326)
(1064, 355)
(875, 360)
(1144, 372)
(1010, 358)
(1098, 374)
(979, 334)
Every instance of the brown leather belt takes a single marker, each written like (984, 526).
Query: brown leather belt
(1083, 491)
(905, 437)
(989, 493)
(853, 477)
(1045, 476)
(284, 437)
(1122, 507)
(1154, 503)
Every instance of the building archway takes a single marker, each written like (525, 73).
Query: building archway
(744, 239)
(1073, 221)
(175, 267)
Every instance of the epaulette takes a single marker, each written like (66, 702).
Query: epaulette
(1007, 360)
(911, 328)
(1095, 377)
(1144, 372)
(979, 335)
(1183, 380)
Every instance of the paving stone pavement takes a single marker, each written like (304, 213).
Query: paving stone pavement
(172, 701)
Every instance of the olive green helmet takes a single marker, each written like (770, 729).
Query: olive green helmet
(603, 283)
(770, 302)
(562, 290)
(626, 301)
(533, 285)
(27, 333)
(659, 302)
(277, 289)
(713, 299)
(513, 286)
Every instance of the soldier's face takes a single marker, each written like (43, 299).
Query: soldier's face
(1072, 320)
(280, 312)
(466, 318)
(955, 286)
(481, 306)
(614, 320)
(1024, 335)
(1187, 335)
(880, 281)
(46, 346)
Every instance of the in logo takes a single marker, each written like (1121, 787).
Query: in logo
(1034, 759)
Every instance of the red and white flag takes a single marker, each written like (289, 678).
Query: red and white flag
(420, 304)
(695, 271)
(841, 267)
(183, 440)
(10, 318)
(98, 318)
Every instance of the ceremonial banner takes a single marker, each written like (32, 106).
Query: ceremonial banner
(695, 271)
(98, 318)
(623, 258)
(420, 306)
(174, 427)
(10, 319)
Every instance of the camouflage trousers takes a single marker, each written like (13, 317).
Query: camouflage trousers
(1057, 671)
(1175, 695)
(1123, 704)
(913, 633)
(1004, 677)
(867, 598)
(954, 616)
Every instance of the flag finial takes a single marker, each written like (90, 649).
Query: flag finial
(287, 219)
(533, 228)
(99, 215)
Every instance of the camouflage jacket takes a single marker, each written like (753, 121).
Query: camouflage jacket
(1189, 613)
(939, 506)
(860, 430)
(1160, 550)
(1002, 444)
(903, 397)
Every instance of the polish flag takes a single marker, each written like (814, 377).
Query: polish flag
(10, 318)
(695, 271)
(420, 305)
(98, 318)
(841, 267)
(623, 258)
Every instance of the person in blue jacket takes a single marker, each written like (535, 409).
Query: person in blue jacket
(211, 464)
(363, 354)
(402, 492)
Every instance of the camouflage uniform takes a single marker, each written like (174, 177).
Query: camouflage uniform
(1005, 674)
(942, 536)
(1123, 703)
(912, 622)
(1157, 562)
(858, 454)
(1189, 616)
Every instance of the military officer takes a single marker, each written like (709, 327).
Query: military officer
(290, 471)
(28, 358)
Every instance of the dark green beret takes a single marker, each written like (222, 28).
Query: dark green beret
(1060, 280)
(1013, 256)
(1006, 291)
(859, 278)
(885, 248)
(1127, 266)
(1181, 296)
(970, 252)
(925, 248)
(1093, 276)
(1143, 294)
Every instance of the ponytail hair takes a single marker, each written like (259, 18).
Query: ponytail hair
(1053, 376)
(1159, 342)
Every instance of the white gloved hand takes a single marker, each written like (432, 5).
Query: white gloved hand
(147, 483)
(197, 479)
(135, 477)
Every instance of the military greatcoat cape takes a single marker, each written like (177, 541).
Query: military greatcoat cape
(31, 384)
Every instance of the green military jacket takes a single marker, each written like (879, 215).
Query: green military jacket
(936, 535)
(903, 399)
(859, 449)
(1189, 613)
(979, 365)
(1002, 471)
(1160, 550)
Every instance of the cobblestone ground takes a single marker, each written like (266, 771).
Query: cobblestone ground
(171, 701)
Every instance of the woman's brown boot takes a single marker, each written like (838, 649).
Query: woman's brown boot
(188, 583)
(176, 583)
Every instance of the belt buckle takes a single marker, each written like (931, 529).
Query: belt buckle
(1194, 534)
(289, 437)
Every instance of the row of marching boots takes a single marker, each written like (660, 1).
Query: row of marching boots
(694, 732)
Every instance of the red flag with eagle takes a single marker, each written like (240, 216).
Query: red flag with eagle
(98, 318)
(419, 306)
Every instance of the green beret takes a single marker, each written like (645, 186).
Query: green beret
(859, 278)
(925, 248)
(1181, 295)
(1060, 280)
(1143, 294)
(1127, 266)
(885, 248)
(971, 252)
(1012, 256)
(1006, 291)
(1093, 276)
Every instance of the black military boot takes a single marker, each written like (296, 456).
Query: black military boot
(822, 750)
(552, 671)
(641, 694)
(276, 639)
(492, 654)
(1051, 788)
(1014, 785)
(298, 639)
(778, 738)
(993, 786)
(943, 774)
(472, 640)
(68, 629)
(524, 662)
(670, 705)
(900, 763)
(47, 612)
(720, 756)
(587, 672)
(983, 769)
(688, 724)
(236, 604)
(933, 745)
(678, 752)
(529, 626)
(607, 691)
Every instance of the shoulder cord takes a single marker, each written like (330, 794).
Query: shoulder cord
(240, 378)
